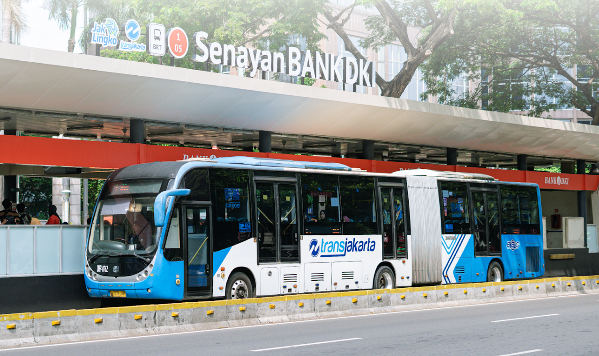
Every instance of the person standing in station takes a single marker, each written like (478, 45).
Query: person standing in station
(53, 218)
(8, 216)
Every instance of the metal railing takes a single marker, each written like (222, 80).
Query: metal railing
(41, 249)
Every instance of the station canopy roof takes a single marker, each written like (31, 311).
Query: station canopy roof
(51, 92)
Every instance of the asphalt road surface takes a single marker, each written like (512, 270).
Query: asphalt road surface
(548, 326)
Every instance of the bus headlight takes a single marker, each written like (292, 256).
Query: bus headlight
(146, 273)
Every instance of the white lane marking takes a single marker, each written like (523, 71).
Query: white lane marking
(296, 322)
(310, 344)
(526, 317)
(523, 352)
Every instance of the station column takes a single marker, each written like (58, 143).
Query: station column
(522, 164)
(10, 182)
(137, 132)
(264, 141)
(368, 149)
(582, 198)
(452, 156)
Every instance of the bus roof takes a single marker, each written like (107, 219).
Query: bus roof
(282, 163)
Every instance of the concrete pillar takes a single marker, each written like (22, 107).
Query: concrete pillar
(581, 166)
(74, 185)
(582, 198)
(10, 188)
(568, 167)
(10, 182)
(265, 141)
(522, 162)
(368, 149)
(137, 131)
(452, 156)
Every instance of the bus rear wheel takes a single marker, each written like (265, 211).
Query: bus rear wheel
(239, 286)
(495, 273)
(384, 278)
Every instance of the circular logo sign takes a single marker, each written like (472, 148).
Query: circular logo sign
(177, 42)
(112, 27)
(132, 30)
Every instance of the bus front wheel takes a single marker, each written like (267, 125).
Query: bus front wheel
(384, 278)
(239, 286)
(495, 273)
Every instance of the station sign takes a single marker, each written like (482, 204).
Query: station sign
(294, 62)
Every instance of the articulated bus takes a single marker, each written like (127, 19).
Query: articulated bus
(240, 227)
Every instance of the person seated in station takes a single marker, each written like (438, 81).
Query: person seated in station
(53, 218)
(8, 216)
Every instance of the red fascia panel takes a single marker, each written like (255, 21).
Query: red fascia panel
(40, 151)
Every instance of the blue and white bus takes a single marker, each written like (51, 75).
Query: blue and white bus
(241, 227)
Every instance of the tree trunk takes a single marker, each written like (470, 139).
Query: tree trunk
(595, 113)
(74, 10)
(6, 23)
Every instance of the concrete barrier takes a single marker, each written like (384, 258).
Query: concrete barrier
(89, 324)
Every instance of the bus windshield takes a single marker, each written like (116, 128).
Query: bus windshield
(124, 219)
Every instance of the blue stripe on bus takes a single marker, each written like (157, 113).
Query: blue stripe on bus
(452, 257)
(218, 257)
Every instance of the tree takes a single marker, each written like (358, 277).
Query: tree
(36, 193)
(12, 16)
(391, 24)
(542, 41)
(65, 13)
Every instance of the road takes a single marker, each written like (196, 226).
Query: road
(548, 326)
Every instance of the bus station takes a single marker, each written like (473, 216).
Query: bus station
(81, 116)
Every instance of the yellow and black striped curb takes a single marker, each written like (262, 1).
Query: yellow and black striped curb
(72, 325)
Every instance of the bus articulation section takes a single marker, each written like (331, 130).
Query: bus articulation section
(241, 227)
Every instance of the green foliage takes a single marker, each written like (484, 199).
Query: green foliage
(94, 187)
(36, 193)
(519, 55)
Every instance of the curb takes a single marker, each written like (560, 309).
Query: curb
(25, 329)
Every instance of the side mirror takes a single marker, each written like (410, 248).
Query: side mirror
(160, 203)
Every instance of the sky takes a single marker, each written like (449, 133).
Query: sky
(43, 32)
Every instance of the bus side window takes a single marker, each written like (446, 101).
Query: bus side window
(320, 194)
(172, 245)
(358, 205)
(230, 207)
(520, 210)
(454, 208)
(197, 181)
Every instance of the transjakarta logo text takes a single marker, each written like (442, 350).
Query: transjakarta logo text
(340, 248)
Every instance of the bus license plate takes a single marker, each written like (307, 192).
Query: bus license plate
(118, 293)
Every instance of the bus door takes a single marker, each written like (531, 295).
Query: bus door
(487, 235)
(196, 234)
(393, 219)
(277, 213)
